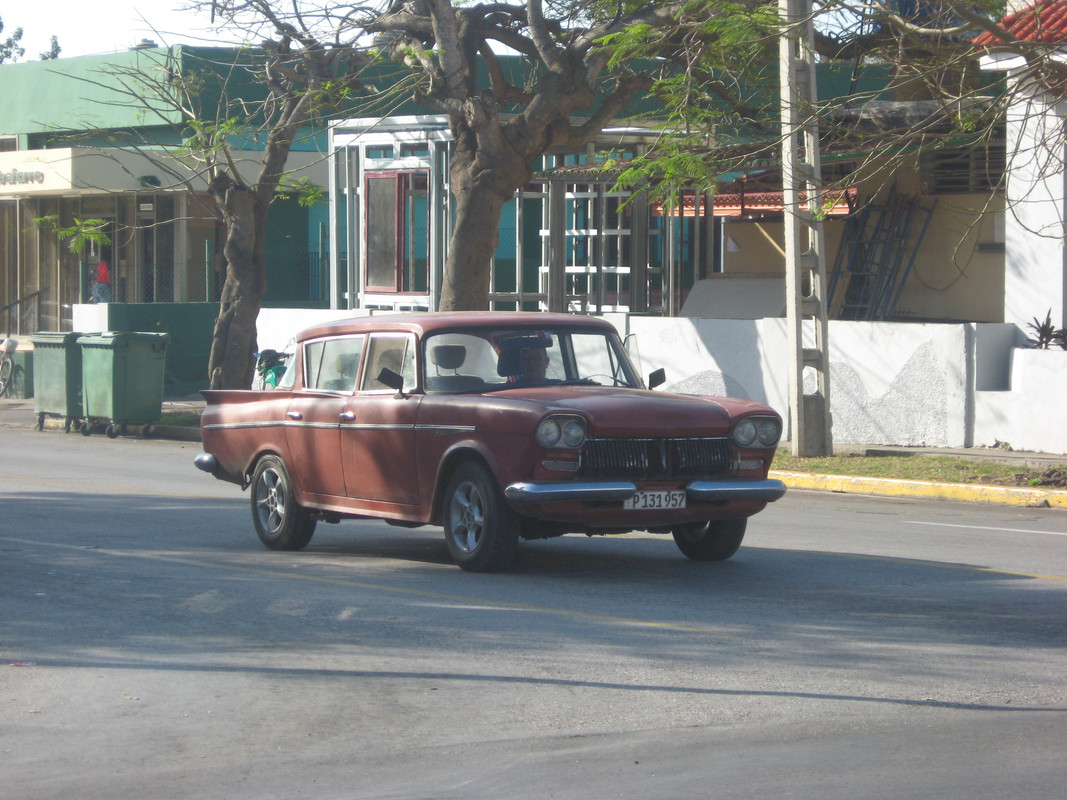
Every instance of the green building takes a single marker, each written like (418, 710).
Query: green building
(75, 144)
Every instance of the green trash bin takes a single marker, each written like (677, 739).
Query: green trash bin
(122, 380)
(57, 377)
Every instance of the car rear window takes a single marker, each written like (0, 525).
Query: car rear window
(332, 365)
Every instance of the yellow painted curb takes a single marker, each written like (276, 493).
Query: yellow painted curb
(945, 491)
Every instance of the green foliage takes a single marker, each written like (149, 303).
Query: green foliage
(718, 84)
(305, 191)
(1046, 334)
(210, 137)
(77, 235)
(53, 51)
(10, 49)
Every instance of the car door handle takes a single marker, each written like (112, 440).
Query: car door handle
(293, 415)
(348, 416)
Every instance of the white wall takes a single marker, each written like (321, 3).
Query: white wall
(89, 318)
(912, 385)
(890, 383)
(276, 328)
(1031, 415)
(1035, 275)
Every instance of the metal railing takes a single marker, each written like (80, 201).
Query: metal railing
(14, 310)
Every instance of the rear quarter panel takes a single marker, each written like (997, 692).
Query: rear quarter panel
(238, 425)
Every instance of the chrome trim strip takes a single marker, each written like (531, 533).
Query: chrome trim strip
(719, 491)
(222, 426)
(440, 430)
(371, 426)
(525, 492)
(443, 430)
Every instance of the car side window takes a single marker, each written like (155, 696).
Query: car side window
(332, 365)
(389, 351)
(458, 362)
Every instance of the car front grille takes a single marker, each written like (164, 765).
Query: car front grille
(656, 459)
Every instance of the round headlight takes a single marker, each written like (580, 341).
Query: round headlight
(768, 431)
(745, 432)
(548, 433)
(573, 432)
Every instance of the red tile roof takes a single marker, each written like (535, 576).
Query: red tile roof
(1044, 21)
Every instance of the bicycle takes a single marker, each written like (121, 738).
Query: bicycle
(12, 376)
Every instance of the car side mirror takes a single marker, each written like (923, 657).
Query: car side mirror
(394, 380)
(657, 377)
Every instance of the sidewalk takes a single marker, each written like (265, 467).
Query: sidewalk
(20, 414)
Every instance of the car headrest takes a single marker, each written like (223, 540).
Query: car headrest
(448, 356)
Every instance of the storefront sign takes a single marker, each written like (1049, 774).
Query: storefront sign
(17, 177)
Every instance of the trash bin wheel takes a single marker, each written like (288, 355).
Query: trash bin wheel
(40, 422)
(86, 428)
(112, 431)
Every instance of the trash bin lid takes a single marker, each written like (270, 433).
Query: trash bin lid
(55, 337)
(117, 339)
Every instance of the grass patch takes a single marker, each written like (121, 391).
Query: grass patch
(184, 417)
(937, 469)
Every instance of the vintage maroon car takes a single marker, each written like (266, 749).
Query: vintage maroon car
(498, 426)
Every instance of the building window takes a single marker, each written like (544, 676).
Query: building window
(962, 170)
(397, 232)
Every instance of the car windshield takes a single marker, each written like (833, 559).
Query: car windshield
(489, 360)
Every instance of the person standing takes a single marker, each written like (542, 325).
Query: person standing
(102, 285)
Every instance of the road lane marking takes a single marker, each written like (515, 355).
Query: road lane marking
(981, 527)
(110, 488)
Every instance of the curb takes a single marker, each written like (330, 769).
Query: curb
(890, 487)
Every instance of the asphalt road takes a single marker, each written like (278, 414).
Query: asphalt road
(855, 647)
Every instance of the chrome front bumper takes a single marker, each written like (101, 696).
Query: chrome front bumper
(617, 491)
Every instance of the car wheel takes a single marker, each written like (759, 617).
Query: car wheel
(481, 532)
(714, 541)
(281, 523)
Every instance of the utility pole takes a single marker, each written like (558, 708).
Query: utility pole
(805, 256)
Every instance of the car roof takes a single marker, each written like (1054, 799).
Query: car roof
(427, 323)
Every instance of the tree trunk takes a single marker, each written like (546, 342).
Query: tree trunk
(485, 175)
(231, 365)
(474, 239)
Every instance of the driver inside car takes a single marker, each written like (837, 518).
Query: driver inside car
(533, 364)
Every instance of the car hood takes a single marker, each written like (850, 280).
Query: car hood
(615, 412)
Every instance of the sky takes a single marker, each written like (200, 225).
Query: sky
(106, 26)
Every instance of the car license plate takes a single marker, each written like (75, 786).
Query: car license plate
(653, 500)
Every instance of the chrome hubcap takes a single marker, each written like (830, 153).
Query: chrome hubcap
(466, 517)
(271, 500)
